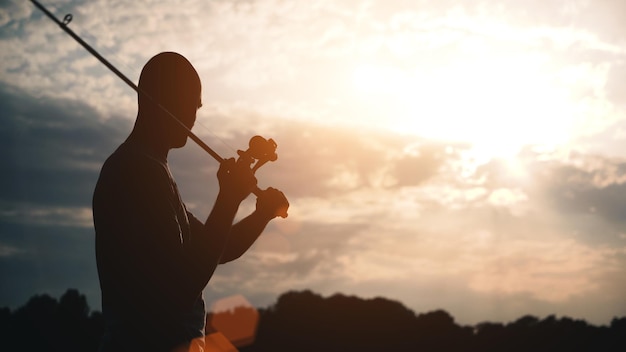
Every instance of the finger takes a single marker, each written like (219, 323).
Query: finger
(282, 211)
(226, 165)
(277, 200)
(277, 195)
(231, 163)
(270, 193)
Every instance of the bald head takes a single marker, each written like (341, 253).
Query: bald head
(168, 79)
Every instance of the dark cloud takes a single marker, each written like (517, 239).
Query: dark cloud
(585, 197)
(49, 259)
(53, 148)
(53, 153)
(11, 12)
(575, 194)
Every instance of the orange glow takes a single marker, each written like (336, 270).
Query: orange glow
(235, 318)
(217, 342)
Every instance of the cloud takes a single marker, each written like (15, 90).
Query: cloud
(7, 251)
(420, 164)
(307, 258)
(316, 160)
(477, 250)
(46, 259)
(55, 216)
(263, 49)
(55, 148)
(587, 193)
(467, 275)
(500, 232)
(616, 83)
(552, 271)
(53, 152)
(11, 12)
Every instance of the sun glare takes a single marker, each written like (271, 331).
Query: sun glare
(496, 104)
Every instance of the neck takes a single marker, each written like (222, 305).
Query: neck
(148, 138)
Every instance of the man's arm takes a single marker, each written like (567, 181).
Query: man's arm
(236, 182)
(243, 234)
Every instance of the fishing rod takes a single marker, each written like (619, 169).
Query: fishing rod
(260, 149)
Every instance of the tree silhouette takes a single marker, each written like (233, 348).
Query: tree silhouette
(45, 324)
(306, 321)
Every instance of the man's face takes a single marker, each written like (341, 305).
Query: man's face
(184, 108)
(170, 80)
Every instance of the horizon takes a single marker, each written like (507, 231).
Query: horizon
(230, 305)
(466, 157)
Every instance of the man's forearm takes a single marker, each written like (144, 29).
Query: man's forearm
(216, 230)
(243, 234)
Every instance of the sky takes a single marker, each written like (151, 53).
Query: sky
(460, 155)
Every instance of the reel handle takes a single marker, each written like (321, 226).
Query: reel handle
(260, 150)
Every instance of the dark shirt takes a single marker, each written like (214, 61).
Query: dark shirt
(151, 296)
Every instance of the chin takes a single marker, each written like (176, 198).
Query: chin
(179, 143)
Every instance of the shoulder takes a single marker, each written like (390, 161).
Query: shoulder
(126, 158)
(128, 169)
(130, 163)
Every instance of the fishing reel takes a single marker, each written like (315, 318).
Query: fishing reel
(260, 149)
(259, 152)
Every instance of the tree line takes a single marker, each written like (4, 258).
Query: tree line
(305, 321)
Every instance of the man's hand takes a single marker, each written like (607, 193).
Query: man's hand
(272, 203)
(236, 180)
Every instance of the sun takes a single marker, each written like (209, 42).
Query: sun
(498, 105)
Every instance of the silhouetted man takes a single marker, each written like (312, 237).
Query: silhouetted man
(154, 257)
